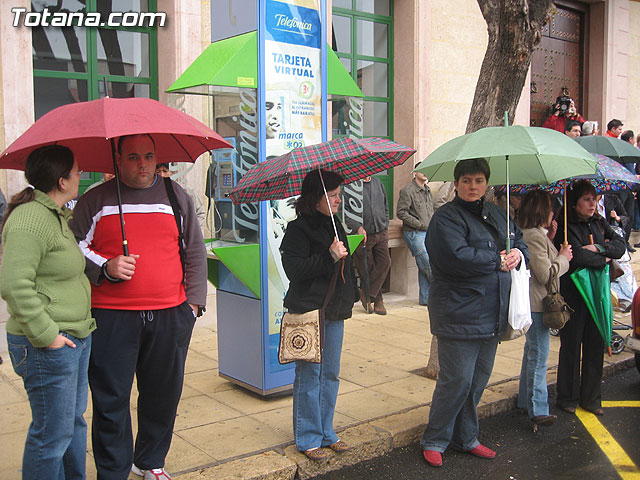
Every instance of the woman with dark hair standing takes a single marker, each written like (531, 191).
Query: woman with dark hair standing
(594, 244)
(538, 229)
(468, 305)
(310, 255)
(48, 298)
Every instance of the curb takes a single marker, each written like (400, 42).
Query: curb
(370, 439)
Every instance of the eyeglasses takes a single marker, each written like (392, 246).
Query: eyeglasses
(79, 172)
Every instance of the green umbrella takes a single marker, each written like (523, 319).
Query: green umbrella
(611, 147)
(535, 155)
(594, 287)
(516, 154)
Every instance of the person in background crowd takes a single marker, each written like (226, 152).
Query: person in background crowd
(576, 385)
(468, 304)
(538, 230)
(145, 304)
(563, 110)
(572, 129)
(3, 208)
(311, 253)
(514, 204)
(415, 209)
(105, 178)
(614, 128)
(164, 170)
(590, 128)
(374, 227)
(49, 327)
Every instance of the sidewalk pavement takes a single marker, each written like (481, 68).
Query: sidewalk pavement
(225, 432)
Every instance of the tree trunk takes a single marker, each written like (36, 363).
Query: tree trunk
(515, 29)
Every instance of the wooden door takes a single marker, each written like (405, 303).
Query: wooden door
(557, 63)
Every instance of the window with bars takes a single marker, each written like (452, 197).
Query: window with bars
(79, 63)
(363, 40)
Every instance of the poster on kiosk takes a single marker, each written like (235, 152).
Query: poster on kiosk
(293, 118)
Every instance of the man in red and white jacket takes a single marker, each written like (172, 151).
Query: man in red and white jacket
(145, 305)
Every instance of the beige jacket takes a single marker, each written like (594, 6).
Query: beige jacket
(543, 257)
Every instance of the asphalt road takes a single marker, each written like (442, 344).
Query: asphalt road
(567, 450)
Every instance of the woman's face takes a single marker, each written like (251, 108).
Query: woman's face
(471, 187)
(73, 181)
(334, 201)
(586, 205)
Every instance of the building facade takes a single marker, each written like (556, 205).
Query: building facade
(417, 63)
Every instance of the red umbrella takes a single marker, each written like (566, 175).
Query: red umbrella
(354, 159)
(87, 128)
(90, 129)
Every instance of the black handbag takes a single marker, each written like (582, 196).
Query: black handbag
(556, 311)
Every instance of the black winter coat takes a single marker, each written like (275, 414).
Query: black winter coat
(309, 266)
(612, 245)
(469, 294)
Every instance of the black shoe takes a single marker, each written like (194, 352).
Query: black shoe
(631, 249)
(637, 245)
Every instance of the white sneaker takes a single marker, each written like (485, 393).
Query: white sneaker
(152, 474)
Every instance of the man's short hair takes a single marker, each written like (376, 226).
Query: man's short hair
(627, 135)
(471, 167)
(569, 124)
(615, 123)
(124, 137)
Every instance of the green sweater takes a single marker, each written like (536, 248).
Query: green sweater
(42, 275)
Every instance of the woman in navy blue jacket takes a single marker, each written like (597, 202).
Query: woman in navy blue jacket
(468, 306)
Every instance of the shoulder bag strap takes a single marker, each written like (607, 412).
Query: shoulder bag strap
(177, 214)
(553, 280)
(332, 287)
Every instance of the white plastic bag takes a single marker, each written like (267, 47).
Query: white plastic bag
(519, 304)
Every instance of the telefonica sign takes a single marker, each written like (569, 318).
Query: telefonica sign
(286, 21)
(292, 24)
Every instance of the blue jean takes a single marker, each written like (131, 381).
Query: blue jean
(416, 242)
(532, 394)
(465, 368)
(57, 386)
(315, 390)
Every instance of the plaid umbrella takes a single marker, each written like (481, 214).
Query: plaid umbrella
(354, 159)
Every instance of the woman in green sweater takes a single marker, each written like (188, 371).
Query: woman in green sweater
(48, 298)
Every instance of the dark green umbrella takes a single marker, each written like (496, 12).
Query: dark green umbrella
(611, 147)
(595, 288)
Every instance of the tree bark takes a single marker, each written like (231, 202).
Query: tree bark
(515, 29)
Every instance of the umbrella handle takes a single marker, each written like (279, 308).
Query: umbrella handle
(565, 243)
(125, 246)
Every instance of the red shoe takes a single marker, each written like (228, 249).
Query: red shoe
(483, 452)
(432, 457)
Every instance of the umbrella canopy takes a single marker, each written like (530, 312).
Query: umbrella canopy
(87, 128)
(610, 176)
(594, 287)
(535, 155)
(611, 147)
(354, 159)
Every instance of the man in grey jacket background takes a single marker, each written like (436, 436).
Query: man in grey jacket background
(415, 209)
(374, 227)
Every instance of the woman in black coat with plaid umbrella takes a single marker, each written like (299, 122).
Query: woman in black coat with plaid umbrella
(310, 255)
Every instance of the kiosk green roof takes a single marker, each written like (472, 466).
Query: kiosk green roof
(233, 62)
